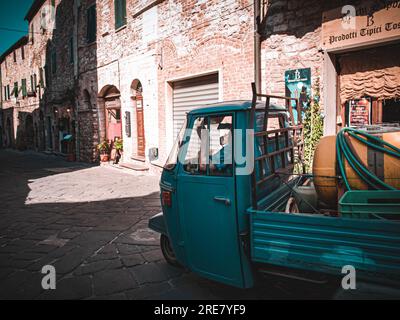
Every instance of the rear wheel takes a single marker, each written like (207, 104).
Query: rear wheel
(168, 251)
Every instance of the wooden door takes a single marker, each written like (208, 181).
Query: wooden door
(141, 142)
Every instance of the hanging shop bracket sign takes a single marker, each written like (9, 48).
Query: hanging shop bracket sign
(370, 22)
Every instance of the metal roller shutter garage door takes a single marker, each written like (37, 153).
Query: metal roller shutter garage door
(192, 94)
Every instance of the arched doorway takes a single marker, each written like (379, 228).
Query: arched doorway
(112, 113)
(137, 98)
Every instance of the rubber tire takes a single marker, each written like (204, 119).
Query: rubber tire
(168, 252)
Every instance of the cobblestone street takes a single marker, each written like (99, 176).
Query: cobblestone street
(90, 223)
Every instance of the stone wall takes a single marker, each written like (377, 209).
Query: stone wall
(292, 40)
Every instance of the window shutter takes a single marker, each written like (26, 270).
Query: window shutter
(15, 90)
(120, 13)
(32, 85)
(91, 24)
(23, 88)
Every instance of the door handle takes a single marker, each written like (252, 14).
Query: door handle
(226, 201)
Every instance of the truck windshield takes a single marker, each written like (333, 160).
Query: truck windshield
(173, 157)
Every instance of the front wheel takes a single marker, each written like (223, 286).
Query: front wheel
(168, 252)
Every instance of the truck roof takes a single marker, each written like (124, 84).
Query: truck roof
(232, 106)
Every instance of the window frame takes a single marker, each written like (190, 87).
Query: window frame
(186, 142)
(120, 14)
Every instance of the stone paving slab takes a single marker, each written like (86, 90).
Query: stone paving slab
(90, 223)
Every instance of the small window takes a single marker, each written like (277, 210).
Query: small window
(35, 82)
(32, 33)
(41, 77)
(23, 53)
(91, 24)
(15, 91)
(120, 13)
(15, 56)
(8, 92)
(196, 155)
(32, 85)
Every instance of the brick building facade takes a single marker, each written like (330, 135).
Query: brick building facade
(163, 43)
(296, 35)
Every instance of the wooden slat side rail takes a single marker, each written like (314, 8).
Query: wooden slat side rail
(292, 137)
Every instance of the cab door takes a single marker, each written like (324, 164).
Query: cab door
(207, 205)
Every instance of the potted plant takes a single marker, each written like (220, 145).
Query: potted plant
(104, 149)
(119, 148)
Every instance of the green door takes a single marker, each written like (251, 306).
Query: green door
(206, 193)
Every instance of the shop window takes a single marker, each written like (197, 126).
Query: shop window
(120, 13)
(391, 111)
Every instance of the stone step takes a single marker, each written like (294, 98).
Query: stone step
(135, 167)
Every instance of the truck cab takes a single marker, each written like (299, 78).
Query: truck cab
(225, 200)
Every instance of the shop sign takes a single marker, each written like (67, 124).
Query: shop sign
(298, 85)
(360, 112)
(371, 21)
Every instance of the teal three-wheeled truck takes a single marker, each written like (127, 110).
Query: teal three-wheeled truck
(228, 191)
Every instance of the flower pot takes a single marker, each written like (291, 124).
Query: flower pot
(104, 158)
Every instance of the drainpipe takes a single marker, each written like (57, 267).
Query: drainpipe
(77, 4)
(257, 46)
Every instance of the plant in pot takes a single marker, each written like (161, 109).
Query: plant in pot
(119, 148)
(104, 149)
